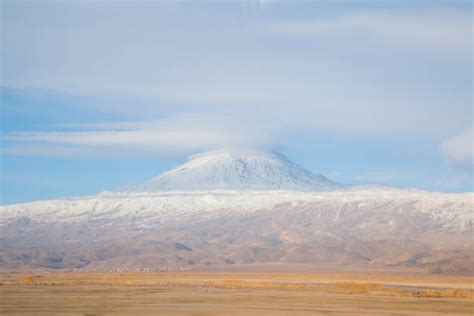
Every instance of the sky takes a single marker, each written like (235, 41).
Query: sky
(97, 95)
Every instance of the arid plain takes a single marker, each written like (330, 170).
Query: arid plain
(80, 293)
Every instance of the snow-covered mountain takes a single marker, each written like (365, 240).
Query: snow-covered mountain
(237, 170)
(227, 207)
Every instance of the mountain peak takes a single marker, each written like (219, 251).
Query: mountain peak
(238, 170)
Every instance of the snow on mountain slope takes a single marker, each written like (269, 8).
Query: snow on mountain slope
(228, 182)
(117, 230)
(454, 210)
(240, 207)
(248, 170)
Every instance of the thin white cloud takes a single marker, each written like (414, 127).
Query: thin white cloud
(180, 63)
(440, 32)
(459, 150)
(179, 134)
(376, 177)
(453, 183)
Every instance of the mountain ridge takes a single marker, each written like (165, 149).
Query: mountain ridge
(195, 226)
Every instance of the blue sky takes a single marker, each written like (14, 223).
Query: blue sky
(96, 95)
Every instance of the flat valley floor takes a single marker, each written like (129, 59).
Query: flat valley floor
(233, 294)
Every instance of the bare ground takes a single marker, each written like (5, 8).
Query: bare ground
(233, 294)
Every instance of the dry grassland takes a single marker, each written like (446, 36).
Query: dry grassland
(233, 294)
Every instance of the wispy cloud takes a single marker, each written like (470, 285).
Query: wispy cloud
(178, 134)
(376, 177)
(179, 58)
(449, 33)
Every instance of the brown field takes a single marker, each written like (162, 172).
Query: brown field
(234, 294)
